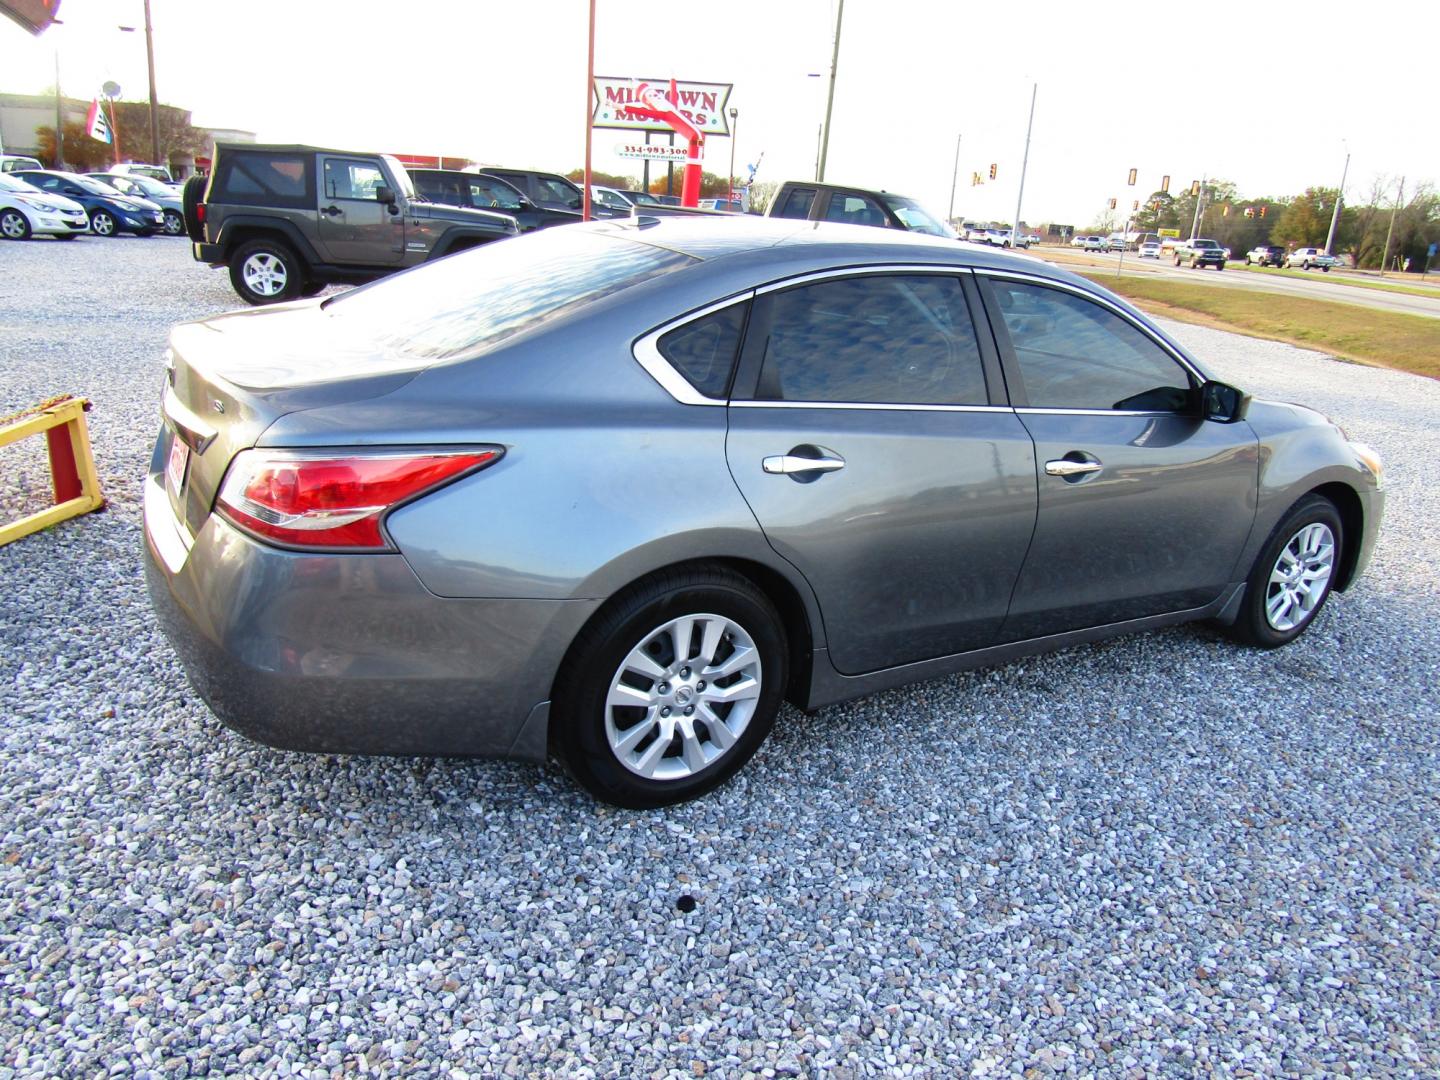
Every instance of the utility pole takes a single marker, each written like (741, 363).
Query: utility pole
(734, 135)
(1399, 198)
(830, 97)
(154, 103)
(59, 121)
(954, 177)
(1024, 164)
(1199, 202)
(1335, 217)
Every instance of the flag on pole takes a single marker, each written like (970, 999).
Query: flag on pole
(96, 126)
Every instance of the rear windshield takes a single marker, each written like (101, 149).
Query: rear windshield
(480, 297)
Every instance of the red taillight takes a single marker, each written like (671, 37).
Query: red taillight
(305, 500)
(200, 212)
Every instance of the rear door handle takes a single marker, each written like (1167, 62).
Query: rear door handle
(791, 464)
(1067, 467)
(331, 211)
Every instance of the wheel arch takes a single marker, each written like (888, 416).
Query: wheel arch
(1352, 520)
(238, 231)
(796, 615)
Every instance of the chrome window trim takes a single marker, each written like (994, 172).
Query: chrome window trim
(1028, 410)
(887, 406)
(863, 271)
(647, 351)
(1038, 279)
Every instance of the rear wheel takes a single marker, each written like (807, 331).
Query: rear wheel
(174, 223)
(103, 223)
(14, 225)
(1177, 260)
(266, 272)
(1292, 576)
(672, 689)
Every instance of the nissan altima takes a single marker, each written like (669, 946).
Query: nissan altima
(613, 493)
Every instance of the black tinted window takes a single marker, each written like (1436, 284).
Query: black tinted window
(851, 209)
(261, 178)
(704, 350)
(901, 339)
(1075, 354)
(797, 204)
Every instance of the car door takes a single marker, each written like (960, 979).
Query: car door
(869, 436)
(1144, 506)
(354, 226)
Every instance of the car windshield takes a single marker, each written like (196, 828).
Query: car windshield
(639, 198)
(1204, 244)
(407, 186)
(14, 183)
(916, 218)
(479, 298)
(149, 186)
(93, 186)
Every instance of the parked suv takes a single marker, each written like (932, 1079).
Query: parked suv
(481, 191)
(855, 206)
(1265, 255)
(553, 191)
(1199, 252)
(289, 220)
(1305, 258)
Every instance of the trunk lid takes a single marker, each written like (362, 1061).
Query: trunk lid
(229, 378)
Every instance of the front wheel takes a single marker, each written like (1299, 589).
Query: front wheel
(1292, 576)
(1220, 266)
(1177, 260)
(174, 223)
(266, 272)
(672, 689)
(102, 223)
(14, 225)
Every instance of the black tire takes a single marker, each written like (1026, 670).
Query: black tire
(192, 196)
(1325, 269)
(1247, 261)
(313, 287)
(174, 223)
(14, 225)
(66, 236)
(1253, 627)
(579, 716)
(1220, 266)
(1177, 260)
(287, 272)
(103, 223)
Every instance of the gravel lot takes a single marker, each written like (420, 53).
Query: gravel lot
(1158, 856)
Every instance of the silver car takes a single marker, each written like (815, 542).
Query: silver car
(614, 492)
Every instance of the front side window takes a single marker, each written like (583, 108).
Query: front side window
(345, 179)
(559, 191)
(1075, 354)
(855, 209)
(493, 195)
(880, 339)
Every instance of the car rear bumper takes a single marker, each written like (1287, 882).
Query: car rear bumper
(350, 653)
(208, 253)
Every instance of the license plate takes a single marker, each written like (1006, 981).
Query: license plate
(175, 467)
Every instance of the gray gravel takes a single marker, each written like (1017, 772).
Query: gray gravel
(1158, 856)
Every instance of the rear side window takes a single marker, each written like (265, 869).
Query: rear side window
(264, 179)
(797, 204)
(704, 350)
(854, 209)
(882, 339)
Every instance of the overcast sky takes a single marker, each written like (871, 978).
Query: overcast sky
(1264, 94)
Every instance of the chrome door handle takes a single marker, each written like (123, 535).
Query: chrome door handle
(788, 464)
(1066, 467)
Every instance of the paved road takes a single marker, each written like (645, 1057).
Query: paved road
(1319, 287)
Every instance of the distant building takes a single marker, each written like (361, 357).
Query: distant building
(21, 114)
(201, 162)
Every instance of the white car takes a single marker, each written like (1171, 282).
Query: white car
(1305, 258)
(976, 234)
(139, 168)
(1096, 243)
(1150, 249)
(26, 211)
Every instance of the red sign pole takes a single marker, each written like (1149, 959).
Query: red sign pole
(589, 89)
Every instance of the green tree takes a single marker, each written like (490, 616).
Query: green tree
(178, 137)
(1305, 221)
(82, 153)
(603, 179)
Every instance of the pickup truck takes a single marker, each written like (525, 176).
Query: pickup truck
(289, 220)
(1198, 252)
(1305, 258)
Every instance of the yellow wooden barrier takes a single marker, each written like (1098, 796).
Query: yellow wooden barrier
(72, 466)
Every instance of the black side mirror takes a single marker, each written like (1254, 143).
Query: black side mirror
(1223, 403)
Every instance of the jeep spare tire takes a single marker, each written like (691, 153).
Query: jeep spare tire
(192, 196)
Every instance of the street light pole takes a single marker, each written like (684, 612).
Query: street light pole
(734, 135)
(1024, 164)
(1199, 202)
(154, 103)
(954, 178)
(830, 97)
(1335, 217)
(1399, 198)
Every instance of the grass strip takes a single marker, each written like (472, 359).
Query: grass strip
(1383, 338)
(1338, 279)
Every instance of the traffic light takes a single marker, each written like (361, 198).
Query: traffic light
(993, 170)
(1225, 211)
(1194, 187)
(1132, 178)
(975, 180)
(1249, 211)
(1136, 206)
(1165, 184)
(1262, 211)
(1112, 204)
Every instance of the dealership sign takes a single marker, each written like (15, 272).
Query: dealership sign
(703, 104)
(656, 152)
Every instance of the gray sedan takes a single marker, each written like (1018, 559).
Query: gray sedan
(143, 187)
(615, 492)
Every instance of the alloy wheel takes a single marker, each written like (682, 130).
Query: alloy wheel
(1300, 577)
(13, 225)
(265, 274)
(683, 696)
(103, 224)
